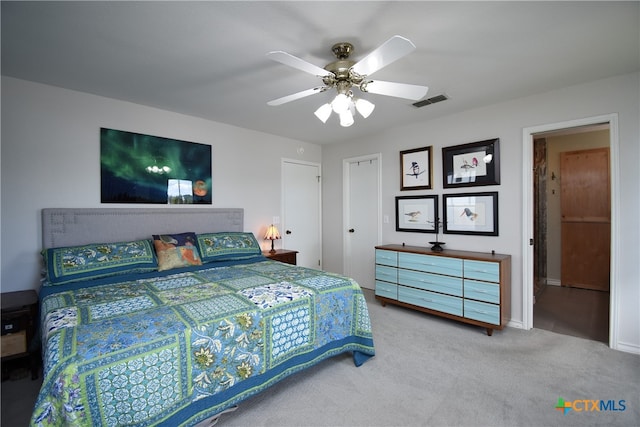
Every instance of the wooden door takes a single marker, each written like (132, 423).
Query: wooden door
(586, 218)
(540, 215)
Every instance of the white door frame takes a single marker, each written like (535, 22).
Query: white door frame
(528, 215)
(346, 204)
(282, 201)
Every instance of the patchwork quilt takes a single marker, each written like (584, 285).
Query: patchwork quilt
(177, 348)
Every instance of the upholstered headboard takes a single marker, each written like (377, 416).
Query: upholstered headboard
(79, 226)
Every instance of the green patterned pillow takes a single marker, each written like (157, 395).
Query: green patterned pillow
(228, 246)
(75, 263)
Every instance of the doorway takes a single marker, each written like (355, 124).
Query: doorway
(361, 217)
(572, 232)
(533, 292)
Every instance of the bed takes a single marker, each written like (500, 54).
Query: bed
(131, 338)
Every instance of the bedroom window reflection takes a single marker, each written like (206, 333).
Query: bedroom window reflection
(179, 192)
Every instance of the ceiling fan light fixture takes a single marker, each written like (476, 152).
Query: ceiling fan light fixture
(346, 118)
(364, 107)
(323, 112)
(340, 103)
(344, 74)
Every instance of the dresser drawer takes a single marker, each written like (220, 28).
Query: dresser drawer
(430, 264)
(386, 257)
(431, 282)
(483, 291)
(481, 311)
(388, 274)
(482, 270)
(431, 300)
(385, 289)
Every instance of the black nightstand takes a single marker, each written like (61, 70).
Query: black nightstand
(282, 255)
(19, 325)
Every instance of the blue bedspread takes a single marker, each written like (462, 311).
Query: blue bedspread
(178, 348)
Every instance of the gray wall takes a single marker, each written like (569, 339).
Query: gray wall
(51, 158)
(506, 121)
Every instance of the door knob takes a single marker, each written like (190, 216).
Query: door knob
(288, 232)
(351, 230)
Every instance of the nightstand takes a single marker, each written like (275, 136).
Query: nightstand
(19, 325)
(282, 255)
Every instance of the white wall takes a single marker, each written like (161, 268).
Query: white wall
(51, 158)
(506, 121)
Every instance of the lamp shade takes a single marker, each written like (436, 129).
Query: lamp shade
(346, 119)
(324, 112)
(340, 103)
(364, 107)
(272, 233)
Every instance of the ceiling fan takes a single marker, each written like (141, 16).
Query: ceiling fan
(345, 74)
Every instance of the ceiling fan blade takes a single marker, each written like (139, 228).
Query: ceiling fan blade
(297, 95)
(295, 62)
(391, 50)
(399, 90)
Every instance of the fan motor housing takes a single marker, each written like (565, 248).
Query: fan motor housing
(340, 68)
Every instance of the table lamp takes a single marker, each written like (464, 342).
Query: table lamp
(272, 234)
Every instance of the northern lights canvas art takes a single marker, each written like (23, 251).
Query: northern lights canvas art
(138, 168)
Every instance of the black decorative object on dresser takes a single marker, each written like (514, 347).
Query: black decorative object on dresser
(471, 287)
(19, 324)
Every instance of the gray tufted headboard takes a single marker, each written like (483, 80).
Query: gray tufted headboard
(80, 226)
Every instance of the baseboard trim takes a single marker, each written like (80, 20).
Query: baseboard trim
(627, 347)
(515, 324)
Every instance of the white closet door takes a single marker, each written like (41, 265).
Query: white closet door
(301, 222)
(362, 218)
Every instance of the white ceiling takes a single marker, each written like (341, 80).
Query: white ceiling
(208, 59)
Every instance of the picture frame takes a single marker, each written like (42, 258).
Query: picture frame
(416, 169)
(471, 213)
(417, 214)
(473, 164)
(139, 168)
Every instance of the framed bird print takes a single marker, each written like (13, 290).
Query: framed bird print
(417, 213)
(474, 164)
(416, 169)
(471, 213)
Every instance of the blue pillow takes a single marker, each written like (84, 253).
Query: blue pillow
(176, 250)
(228, 246)
(75, 263)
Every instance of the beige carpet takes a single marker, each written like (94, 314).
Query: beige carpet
(435, 372)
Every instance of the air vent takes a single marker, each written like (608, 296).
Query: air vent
(429, 101)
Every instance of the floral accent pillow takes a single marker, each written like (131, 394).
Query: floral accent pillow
(176, 250)
(228, 246)
(75, 263)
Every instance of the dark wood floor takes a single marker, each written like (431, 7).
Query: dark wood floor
(571, 311)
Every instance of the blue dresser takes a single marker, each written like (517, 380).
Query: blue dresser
(471, 287)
